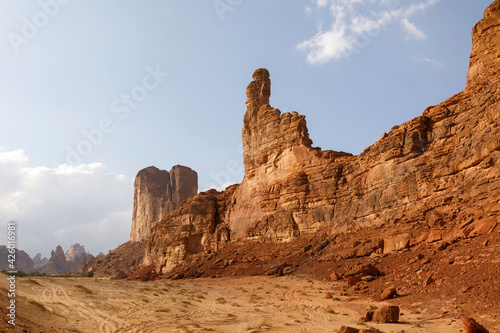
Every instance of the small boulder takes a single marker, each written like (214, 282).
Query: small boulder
(472, 326)
(367, 316)
(276, 269)
(347, 329)
(389, 293)
(328, 295)
(397, 243)
(386, 314)
(429, 280)
(334, 276)
(370, 330)
(363, 270)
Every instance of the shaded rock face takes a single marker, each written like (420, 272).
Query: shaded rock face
(437, 169)
(22, 260)
(157, 192)
(38, 261)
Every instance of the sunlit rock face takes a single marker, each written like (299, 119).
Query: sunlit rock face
(437, 169)
(157, 192)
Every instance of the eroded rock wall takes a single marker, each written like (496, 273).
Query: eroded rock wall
(438, 168)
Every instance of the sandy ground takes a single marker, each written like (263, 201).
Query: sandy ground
(251, 304)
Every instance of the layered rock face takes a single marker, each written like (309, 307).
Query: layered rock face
(157, 192)
(437, 169)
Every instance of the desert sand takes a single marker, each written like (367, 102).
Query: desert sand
(249, 304)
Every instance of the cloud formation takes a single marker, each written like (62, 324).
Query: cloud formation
(354, 23)
(63, 205)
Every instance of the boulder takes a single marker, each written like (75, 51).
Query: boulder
(386, 314)
(472, 326)
(388, 293)
(396, 243)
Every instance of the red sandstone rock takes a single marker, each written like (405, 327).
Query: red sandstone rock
(388, 293)
(347, 329)
(396, 243)
(472, 326)
(157, 192)
(438, 170)
(386, 314)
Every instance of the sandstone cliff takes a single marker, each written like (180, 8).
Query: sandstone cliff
(439, 169)
(157, 192)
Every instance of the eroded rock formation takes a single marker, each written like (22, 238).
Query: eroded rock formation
(76, 252)
(437, 169)
(157, 192)
(38, 261)
(22, 260)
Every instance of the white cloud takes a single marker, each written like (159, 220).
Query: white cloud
(354, 23)
(412, 30)
(432, 62)
(86, 204)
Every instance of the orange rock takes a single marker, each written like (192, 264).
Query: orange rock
(388, 293)
(438, 169)
(386, 314)
(472, 326)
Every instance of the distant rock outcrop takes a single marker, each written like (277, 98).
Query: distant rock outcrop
(58, 262)
(438, 169)
(157, 192)
(120, 262)
(22, 260)
(39, 262)
(76, 252)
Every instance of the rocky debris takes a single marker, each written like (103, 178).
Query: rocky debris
(386, 314)
(157, 192)
(22, 260)
(39, 262)
(347, 329)
(472, 326)
(119, 263)
(396, 243)
(361, 272)
(389, 293)
(277, 268)
(368, 316)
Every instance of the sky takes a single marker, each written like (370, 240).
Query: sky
(93, 91)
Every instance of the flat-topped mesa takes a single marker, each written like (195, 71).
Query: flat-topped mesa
(266, 131)
(157, 192)
(484, 67)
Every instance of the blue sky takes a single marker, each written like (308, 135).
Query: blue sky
(127, 84)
